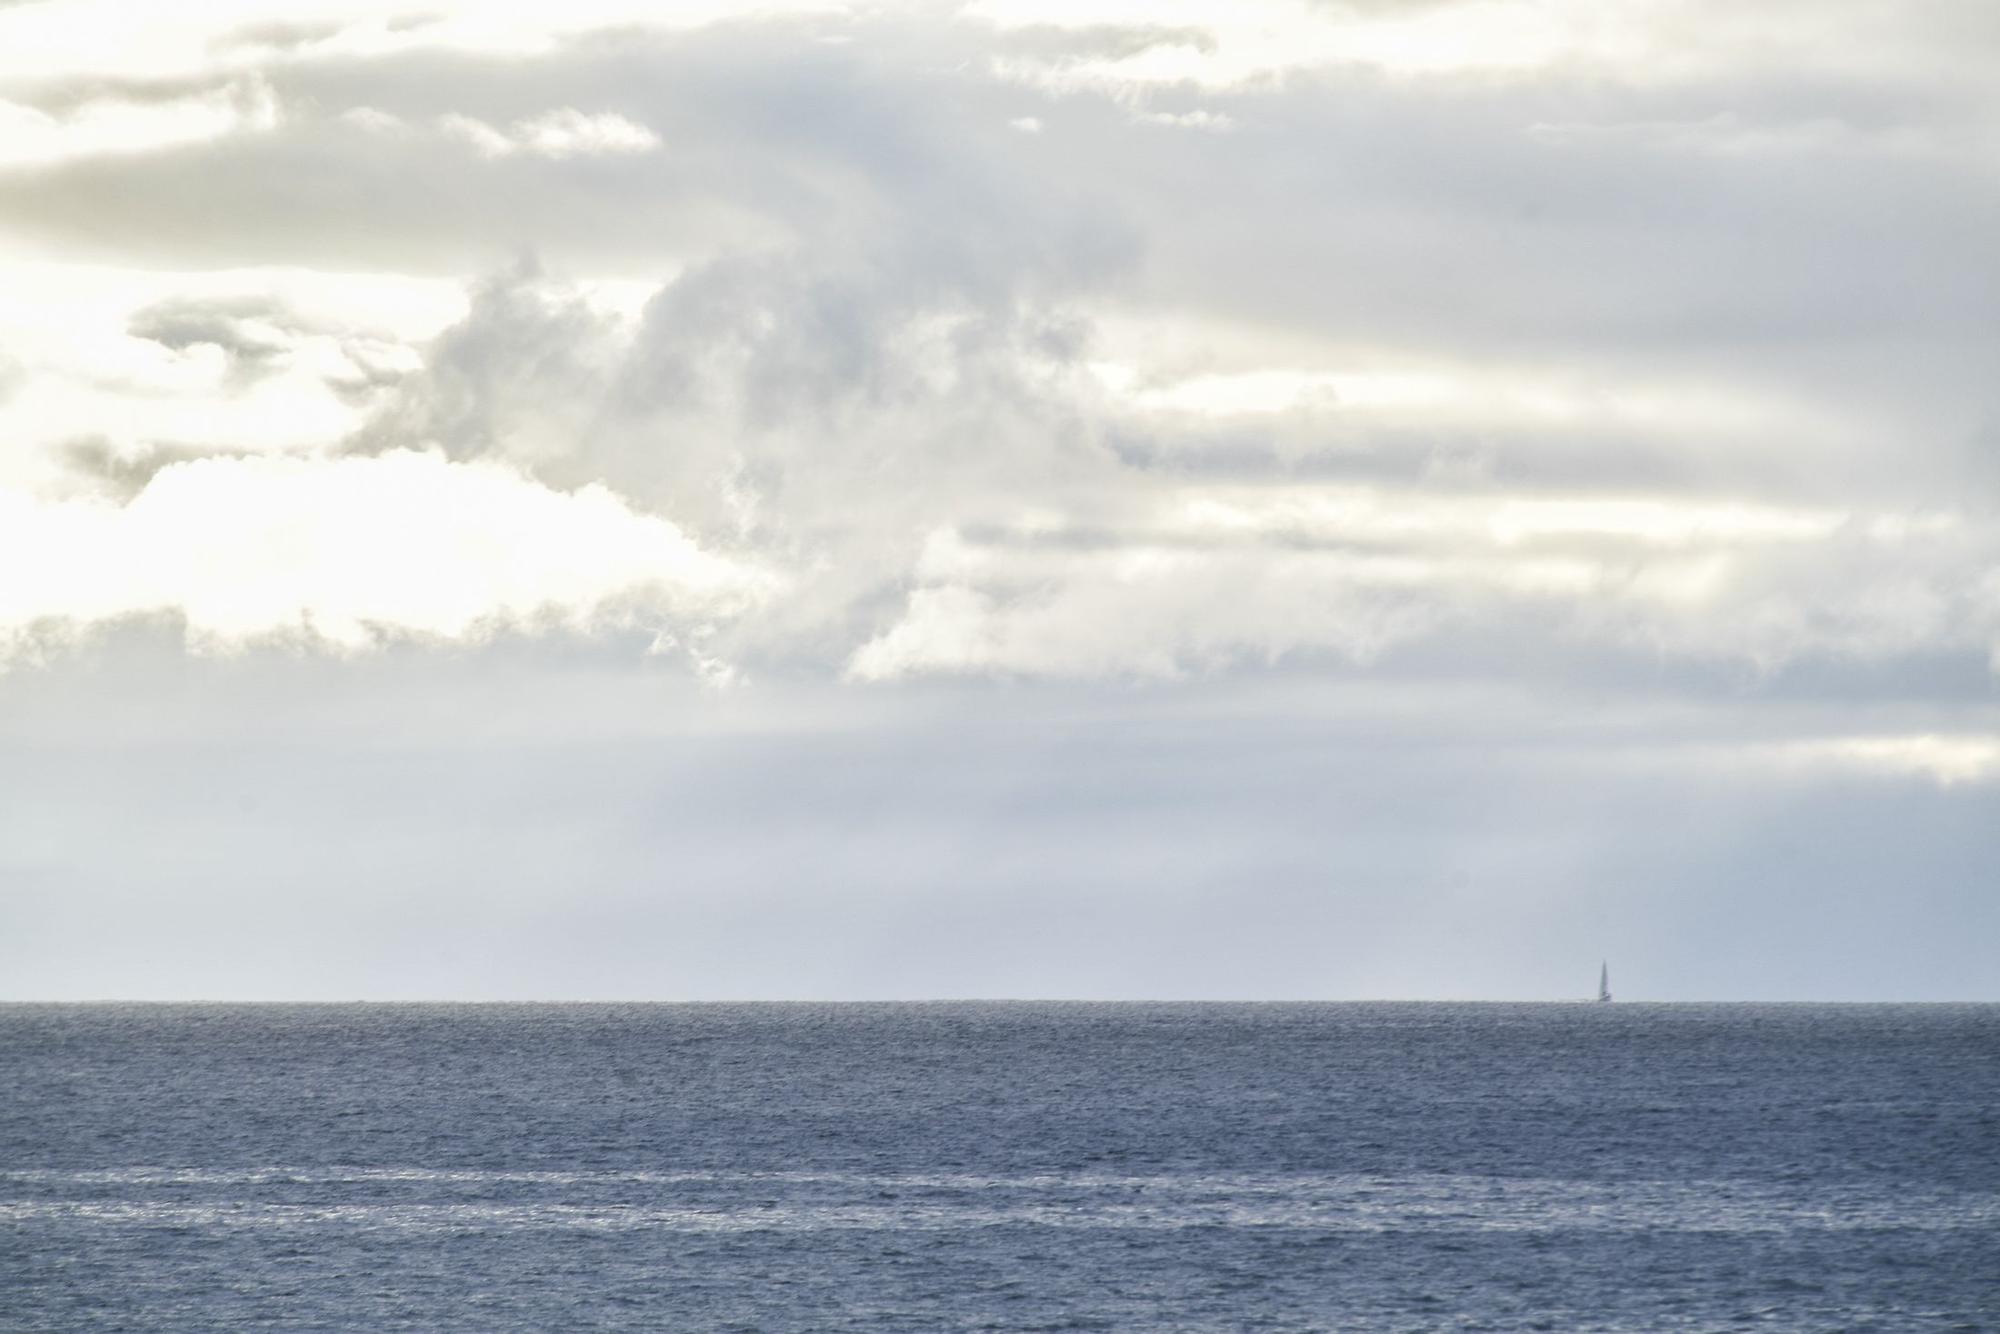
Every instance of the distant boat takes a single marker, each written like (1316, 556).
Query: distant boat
(1604, 983)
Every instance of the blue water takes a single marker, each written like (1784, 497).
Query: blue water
(1001, 1167)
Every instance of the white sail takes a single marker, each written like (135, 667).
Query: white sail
(1604, 981)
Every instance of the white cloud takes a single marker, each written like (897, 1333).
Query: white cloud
(133, 359)
(1382, 388)
(38, 296)
(67, 38)
(567, 132)
(564, 132)
(373, 119)
(1253, 39)
(1210, 576)
(1249, 40)
(1189, 120)
(344, 551)
(1160, 613)
(1946, 759)
(1665, 522)
(31, 137)
(918, 331)
(483, 138)
(1519, 394)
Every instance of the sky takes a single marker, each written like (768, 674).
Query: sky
(1275, 499)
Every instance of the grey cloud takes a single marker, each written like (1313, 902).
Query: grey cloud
(1378, 7)
(1385, 212)
(602, 832)
(832, 408)
(125, 475)
(260, 335)
(519, 378)
(1429, 214)
(1095, 42)
(883, 310)
(279, 37)
(231, 326)
(767, 402)
(66, 92)
(770, 135)
(1265, 751)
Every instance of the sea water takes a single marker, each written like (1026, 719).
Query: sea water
(1016, 1166)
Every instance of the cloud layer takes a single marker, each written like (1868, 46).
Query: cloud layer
(1310, 335)
(1406, 489)
(342, 552)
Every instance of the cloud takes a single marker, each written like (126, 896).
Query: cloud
(34, 138)
(137, 367)
(601, 828)
(829, 409)
(65, 40)
(1372, 496)
(771, 399)
(253, 334)
(1619, 358)
(562, 133)
(1189, 120)
(348, 552)
(1276, 40)
(1946, 760)
(1145, 614)
(1209, 582)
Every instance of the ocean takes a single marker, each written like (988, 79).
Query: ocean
(999, 1166)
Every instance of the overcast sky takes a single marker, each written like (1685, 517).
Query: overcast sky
(1399, 498)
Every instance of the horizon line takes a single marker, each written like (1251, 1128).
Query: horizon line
(1589, 1001)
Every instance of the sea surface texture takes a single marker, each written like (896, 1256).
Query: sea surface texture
(999, 1167)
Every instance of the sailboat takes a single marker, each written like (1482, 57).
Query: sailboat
(1604, 983)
